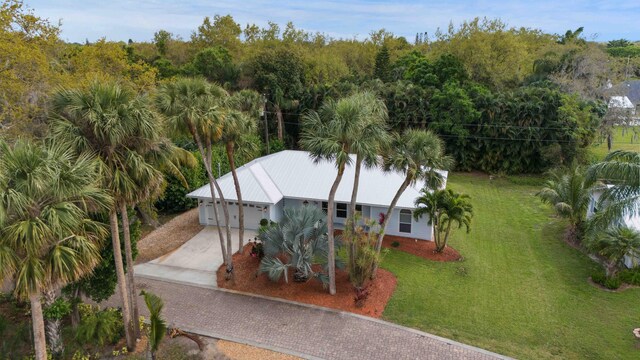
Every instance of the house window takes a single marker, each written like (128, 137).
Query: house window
(325, 205)
(341, 210)
(405, 221)
(359, 208)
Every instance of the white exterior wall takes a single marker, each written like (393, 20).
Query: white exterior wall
(275, 211)
(420, 229)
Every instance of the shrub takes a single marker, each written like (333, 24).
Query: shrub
(264, 222)
(630, 276)
(395, 244)
(100, 326)
(612, 283)
(601, 278)
(298, 242)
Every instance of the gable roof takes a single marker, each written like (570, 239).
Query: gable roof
(294, 174)
(621, 102)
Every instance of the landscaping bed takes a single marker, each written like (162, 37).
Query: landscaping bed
(310, 292)
(421, 248)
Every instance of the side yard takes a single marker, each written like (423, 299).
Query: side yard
(520, 291)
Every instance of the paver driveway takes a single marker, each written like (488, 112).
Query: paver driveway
(195, 262)
(305, 331)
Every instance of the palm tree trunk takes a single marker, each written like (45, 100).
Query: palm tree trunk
(75, 312)
(130, 274)
(236, 183)
(383, 226)
(352, 210)
(441, 247)
(37, 321)
(53, 335)
(280, 122)
(331, 257)
(122, 280)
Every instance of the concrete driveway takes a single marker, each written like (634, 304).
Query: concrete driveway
(195, 262)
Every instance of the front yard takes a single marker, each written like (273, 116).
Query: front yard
(521, 291)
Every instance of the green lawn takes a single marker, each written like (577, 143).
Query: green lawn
(521, 291)
(623, 139)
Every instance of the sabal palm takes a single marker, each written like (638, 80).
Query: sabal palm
(614, 244)
(47, 238)
(117, 125)
(621, 169)
(336, 130)
(445, 209)
(195, 108)
(417, 154)
(568, 193)
(238, 125)
(157, 325)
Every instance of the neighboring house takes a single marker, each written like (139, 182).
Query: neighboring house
(622, 105)
(291, 179)
(632, 222)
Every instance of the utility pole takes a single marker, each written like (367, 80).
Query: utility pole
(266, 125)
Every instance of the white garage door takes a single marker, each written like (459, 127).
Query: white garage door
(252, 215)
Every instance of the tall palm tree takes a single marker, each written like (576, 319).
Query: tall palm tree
(195, 108)
(47, 238)
(237, 126)
(120, 128)
(445, 209)
(569, 194)
(614, 244)
(621, 171)
(417, 154)
(333, 133)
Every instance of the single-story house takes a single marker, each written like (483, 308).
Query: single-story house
(632, 222)
(622, 104)
(291, 179)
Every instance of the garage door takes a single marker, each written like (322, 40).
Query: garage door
(252, 215)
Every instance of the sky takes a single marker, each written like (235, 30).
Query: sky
(139, 20)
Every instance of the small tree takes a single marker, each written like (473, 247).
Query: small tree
(296, 242)
(614, 244)
(157, 325)
(445, 209)
(568, 193)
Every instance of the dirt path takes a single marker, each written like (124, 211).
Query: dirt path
(169, 236)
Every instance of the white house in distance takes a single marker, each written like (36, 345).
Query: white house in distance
(291, 179)
(622, 104)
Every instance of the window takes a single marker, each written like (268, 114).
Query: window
(341, 210)
(359, 208)
(325, 205)
(405, 221)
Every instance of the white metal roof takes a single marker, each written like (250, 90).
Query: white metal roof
(621, 102)
(293, 174)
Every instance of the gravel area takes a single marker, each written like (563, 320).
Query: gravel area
(238, 351)
(169, 236)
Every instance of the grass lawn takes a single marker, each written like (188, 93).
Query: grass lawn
(521, 291)
(623, 139)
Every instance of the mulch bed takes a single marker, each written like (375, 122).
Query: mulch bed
(422, 248)
(310, 292)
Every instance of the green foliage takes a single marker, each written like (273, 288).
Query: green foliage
(157, 325)
(173, 199)
(382, 69)
(363, 257)
(395, 244)
(568, 193)
(613, 245)
(299, 241)
(601, 278)
(215, 64)
(58, 310)
(624, 52)
(100, 326)
(619, 43)
(630, 276)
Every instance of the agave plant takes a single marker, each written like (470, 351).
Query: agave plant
(299, 241)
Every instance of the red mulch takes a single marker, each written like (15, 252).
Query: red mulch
(245, 279)
(422, 248)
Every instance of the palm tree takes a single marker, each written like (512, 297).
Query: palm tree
(621, 171)
(117, 125)
(237, 126)
(47, 238)
(417, 154)
(569, 194)
(195, 108)
(445, 208)
(157, 325)
(332, 134)
(614, 244)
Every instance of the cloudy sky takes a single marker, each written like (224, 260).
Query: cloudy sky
(138, 20)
